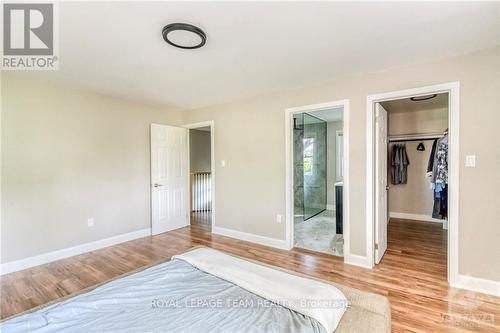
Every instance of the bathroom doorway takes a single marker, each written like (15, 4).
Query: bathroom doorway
(318, 174)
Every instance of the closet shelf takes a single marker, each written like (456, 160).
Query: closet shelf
(415, 137)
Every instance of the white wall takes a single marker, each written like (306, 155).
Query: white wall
(68, 155)
(250, 137)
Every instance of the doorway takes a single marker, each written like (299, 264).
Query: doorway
(182, 176)
(317, 177)
(201, 175)
(412, 179)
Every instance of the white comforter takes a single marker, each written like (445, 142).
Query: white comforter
(315, 299)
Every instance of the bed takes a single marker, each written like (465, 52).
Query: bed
(205, 290)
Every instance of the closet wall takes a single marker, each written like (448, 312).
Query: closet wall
(415, 197)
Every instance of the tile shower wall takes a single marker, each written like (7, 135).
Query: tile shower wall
(309, 153)
(315, 173)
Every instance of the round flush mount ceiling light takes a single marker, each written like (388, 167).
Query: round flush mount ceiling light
(423, 98)
(184, 36)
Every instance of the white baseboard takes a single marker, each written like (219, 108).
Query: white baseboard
(21, 264)
(357, 260)
(273, 242)
(418, 217)
(489, 287)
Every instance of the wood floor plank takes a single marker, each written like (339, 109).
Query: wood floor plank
(412, 275)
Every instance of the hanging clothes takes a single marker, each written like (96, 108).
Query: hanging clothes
(405, 161)
(439, 179)
(399, 164)
(430, 164)
(394, 165)
(440, 167)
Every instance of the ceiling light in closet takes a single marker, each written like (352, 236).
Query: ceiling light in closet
(423, 98)
(184, 36)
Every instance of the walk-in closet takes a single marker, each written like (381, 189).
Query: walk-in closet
(417, 169)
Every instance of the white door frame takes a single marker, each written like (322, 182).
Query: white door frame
(210, 123)
(453, 90)
(289, 205)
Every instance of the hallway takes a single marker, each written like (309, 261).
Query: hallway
(202, 219)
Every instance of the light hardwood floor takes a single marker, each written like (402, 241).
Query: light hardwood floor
(202, 219)
(412, 275)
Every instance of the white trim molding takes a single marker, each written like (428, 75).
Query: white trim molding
(289, 168)
(416, 217)
(357, 260)
(253, 238)
(453, 90)
(211, 124)
(485, 286)
(17, 265)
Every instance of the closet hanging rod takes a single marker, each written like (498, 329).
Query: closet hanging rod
(415, 137)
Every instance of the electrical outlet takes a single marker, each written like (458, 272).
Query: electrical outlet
(90, 222)
(278, 218)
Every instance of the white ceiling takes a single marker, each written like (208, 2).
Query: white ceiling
(406, 104)
(256, 48)
(329, 115)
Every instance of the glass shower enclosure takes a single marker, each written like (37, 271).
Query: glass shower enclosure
(309, 151)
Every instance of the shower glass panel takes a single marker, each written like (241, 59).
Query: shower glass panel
(314, 165)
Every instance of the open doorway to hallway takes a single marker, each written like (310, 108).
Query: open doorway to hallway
(200, 177)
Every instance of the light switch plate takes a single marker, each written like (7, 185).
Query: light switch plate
(278, 218)
(223, 163)
(470, 161)
(90, 222)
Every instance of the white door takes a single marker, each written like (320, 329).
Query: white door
(169, 178)
(381, 182)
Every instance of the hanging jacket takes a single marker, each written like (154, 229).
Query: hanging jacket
(405, 161)
(394, 165)
(430, 164)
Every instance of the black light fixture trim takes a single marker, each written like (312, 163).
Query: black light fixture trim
(423, 98)
(185, 27)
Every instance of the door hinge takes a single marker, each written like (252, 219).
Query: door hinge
(376, 246)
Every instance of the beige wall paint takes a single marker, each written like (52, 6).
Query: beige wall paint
(415, 197)
(68, 155)
(199, 151)
(331, 146)
(250, 137)
(418, 122)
